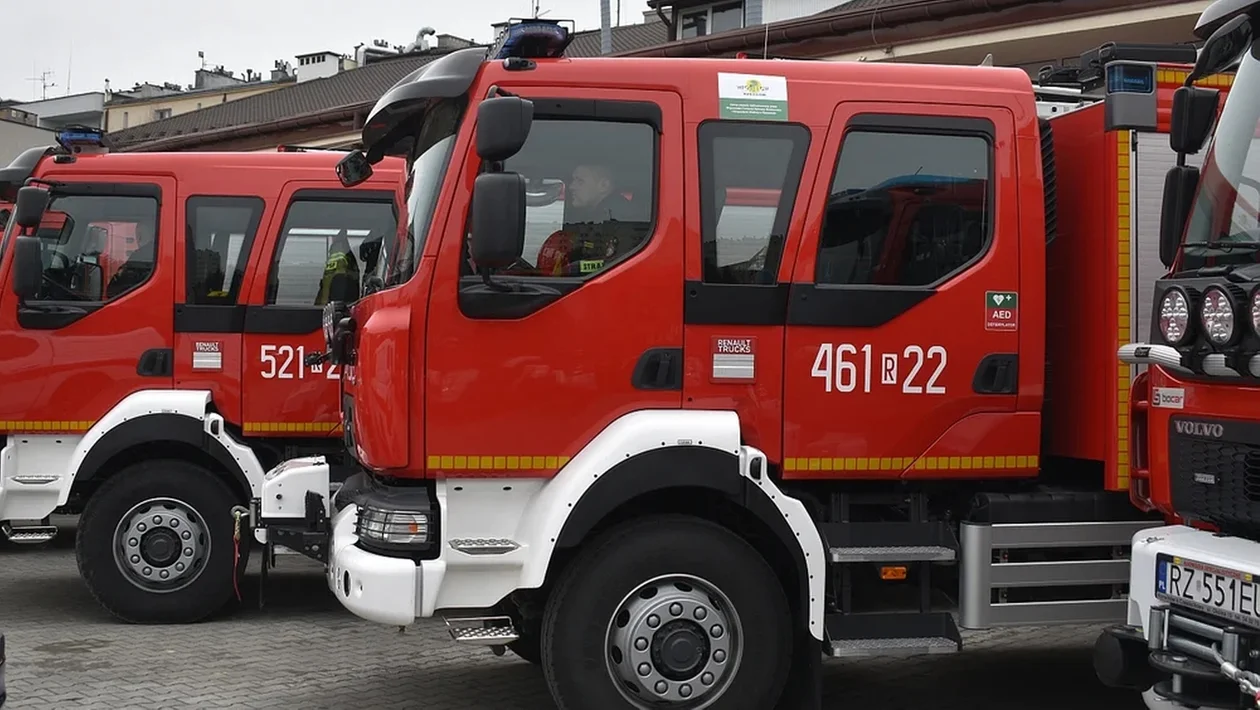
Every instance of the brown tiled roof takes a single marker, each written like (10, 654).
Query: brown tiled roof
(354, 89)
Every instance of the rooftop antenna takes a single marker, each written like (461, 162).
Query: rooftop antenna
(69, 67)
(44, 83)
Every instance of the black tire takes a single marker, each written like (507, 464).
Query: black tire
(200, 489)
(588, 594)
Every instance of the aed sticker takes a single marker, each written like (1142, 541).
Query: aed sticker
(1168, 397)
(734, 359)
(752, 97)
(207, 355)
(1001, 310)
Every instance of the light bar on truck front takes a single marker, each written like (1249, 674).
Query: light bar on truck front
(82, 139)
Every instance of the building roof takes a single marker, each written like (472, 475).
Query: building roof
(343, 93)
(867, 23)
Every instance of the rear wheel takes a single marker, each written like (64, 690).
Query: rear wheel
(155, 543)
(668, 612)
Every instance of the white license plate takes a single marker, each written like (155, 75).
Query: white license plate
(1218, 591)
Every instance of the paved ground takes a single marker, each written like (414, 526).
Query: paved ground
(304, 651)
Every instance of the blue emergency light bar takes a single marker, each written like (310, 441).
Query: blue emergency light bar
(532, 39)
(81, 137)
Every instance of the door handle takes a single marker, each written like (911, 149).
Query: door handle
(158, 362)
(658, 369)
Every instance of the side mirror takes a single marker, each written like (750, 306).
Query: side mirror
(1179, 185)
(1193, 113)
(28, 267)
(502, 126)
(498, 220)
(1221, 49)
(354, 169)
(30, 205)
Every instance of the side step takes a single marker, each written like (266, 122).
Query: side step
(28, 534)
(482, 630)
(931, 541)
(866, 635)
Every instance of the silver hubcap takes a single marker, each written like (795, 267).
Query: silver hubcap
(161, 545)
(674, 642)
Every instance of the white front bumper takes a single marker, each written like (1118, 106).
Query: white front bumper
(1182, 541)
(383, 589)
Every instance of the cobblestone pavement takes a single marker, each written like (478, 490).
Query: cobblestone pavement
(304, 651)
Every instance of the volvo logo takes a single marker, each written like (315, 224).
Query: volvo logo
(1205, 429)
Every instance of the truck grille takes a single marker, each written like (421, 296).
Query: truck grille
(1217, 478)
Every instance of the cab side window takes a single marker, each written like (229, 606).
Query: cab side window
(219, 240)
(911, 202)
(590, 195)
(329, 248)
(749, 175)
(97, 248)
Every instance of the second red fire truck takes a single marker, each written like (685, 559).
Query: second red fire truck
(155, 315)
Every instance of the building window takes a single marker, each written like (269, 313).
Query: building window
(906, 208)
(710, 19)
(161, 113)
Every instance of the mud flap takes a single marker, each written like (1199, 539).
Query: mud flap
(803, 690)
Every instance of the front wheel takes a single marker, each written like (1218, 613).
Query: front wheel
(156, 541)
(667, 612)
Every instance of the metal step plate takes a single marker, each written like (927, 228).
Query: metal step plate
(891, 634)
(930, 541)
(482, 630)
(862, 648)
(30, 534)
(896, 553)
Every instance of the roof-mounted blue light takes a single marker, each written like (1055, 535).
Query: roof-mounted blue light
(81, 139)
(532, 39)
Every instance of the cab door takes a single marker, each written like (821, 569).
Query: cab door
(902, 345)
(92, 336)
(318, 227)
(518, 380)
(220, 241)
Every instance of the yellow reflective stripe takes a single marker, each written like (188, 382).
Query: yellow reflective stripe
(291, 427)
(997, 462)
(496, 462)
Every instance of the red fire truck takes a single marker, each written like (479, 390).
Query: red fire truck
(154, 321)
(1192, 637)
(675, 458)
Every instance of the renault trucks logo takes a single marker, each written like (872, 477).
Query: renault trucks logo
(1204, 429)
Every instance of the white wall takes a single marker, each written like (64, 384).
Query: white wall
(17, 137)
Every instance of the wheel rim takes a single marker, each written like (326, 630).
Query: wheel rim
(674, 642)
(161, 545)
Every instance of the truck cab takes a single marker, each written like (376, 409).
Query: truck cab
(155, 318)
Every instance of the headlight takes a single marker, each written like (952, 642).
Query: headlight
(1216, 315)
(1174, 316)
(393, 527)
(1255, 311)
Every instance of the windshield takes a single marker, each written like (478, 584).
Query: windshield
(1224, 224)
(428, 162)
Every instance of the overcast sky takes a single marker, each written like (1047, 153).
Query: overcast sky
(85, 42)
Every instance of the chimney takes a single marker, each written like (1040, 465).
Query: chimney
(650, 16)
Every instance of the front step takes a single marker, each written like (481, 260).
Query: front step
(482, 630)
(28, 534)
(867, 635)
(931, 541)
